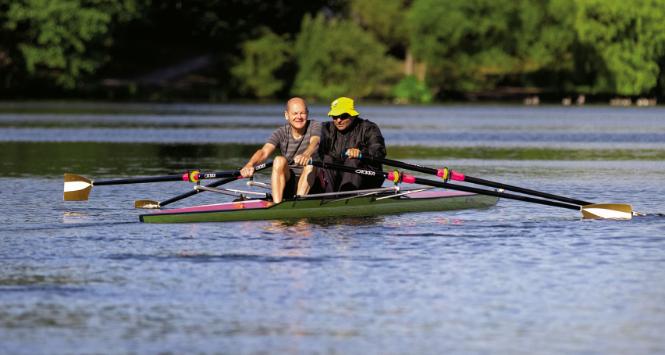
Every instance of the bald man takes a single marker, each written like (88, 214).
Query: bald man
(298, 141)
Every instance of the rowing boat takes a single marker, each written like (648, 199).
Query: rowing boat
(358, 203)
(318, 206)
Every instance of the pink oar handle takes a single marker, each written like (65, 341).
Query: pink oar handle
(454, 175)
(457, 176)
(396, 176)
(409, 179)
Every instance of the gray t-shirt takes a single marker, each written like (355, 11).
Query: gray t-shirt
(290, 147)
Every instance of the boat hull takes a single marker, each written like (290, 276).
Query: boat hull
(426, 201)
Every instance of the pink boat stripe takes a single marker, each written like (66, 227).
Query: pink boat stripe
(435, 194)
(241, 205)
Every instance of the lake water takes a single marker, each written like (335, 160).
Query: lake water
(518, 278)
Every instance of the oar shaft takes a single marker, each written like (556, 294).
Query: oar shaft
(412, 179)
(138, 180)
(474, 180)
(399, 164)
(192, 176)
(505, 195)
(484, 182)
(195, 191)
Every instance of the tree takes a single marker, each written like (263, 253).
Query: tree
(593, 46)
(383, 18)
(479, 44)
(543, 35)
(410, 89)
(386, 20)
(338, 58)
(467, 44)
(57, 40)
(261, 71)
(626, 41)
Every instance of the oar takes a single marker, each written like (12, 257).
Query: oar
(457, 176)
(77, 188)
(151, 204)
(448, 174)
(591, 211)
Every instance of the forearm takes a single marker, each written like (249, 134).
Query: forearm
(303, 159)
(257, 158)
(313, 146)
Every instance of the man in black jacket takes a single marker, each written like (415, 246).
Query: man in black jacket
(343, 140)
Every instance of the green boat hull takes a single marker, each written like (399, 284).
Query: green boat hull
(320, 208)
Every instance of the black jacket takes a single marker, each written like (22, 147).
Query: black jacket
(362, 134)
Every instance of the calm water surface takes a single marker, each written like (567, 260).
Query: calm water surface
(518, 278)
(505, 126)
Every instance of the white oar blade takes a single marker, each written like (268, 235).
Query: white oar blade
(147, 204)
(607, 211)
(77, 188)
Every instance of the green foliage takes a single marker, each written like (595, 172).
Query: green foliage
(464, 42)
(410, 89)
(543, 35)
(600, 45)
(472, 45)
(263, 59)
(57, 40)
(383, 18)
(628, 38)
(588, 46)
(337, 58)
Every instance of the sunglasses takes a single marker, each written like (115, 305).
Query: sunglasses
(341, 117)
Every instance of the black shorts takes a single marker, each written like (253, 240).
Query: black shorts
(291, 186)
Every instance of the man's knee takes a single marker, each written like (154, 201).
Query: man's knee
(280, 164)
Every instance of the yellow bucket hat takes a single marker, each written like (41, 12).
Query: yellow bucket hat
(342, 105)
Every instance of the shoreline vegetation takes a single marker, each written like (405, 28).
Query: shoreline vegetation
(563, 52)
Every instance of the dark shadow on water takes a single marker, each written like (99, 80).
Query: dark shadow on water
(19, 159)
(107, 159)
(49, 289)
(210, 258)
(328, 222)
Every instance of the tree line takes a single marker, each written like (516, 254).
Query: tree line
(402, 50)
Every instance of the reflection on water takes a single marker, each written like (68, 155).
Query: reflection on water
(69, 217)
(308, 223)
(295, 228)
(54, 159)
